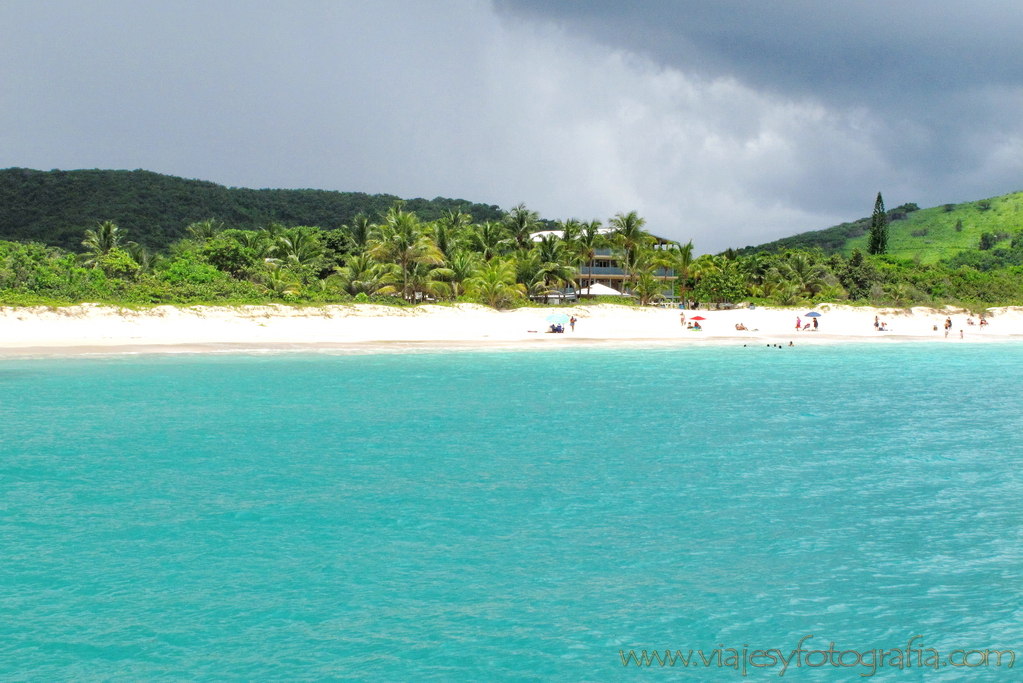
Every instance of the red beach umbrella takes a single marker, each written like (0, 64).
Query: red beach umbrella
(697, 317)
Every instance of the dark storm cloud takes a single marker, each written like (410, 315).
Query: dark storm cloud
(874, 52)
(941, 82)
(731, 123)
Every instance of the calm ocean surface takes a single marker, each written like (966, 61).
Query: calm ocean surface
(508, 516)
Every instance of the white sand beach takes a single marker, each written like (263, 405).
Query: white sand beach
(91, 328)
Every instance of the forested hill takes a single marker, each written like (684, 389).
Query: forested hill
(928, 235)
(56, 207)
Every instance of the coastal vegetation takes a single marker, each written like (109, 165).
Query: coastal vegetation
(402, 254)
(53, 206)
(927, 235)
(398, 259)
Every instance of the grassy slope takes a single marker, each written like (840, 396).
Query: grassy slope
(941, 240)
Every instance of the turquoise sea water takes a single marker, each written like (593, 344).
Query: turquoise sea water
(508, 516)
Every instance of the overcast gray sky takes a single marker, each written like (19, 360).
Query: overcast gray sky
(731, 122)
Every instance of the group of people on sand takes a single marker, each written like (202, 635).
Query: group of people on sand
(558, 328)
(800, 326)
(693, 324)
(879, 325)
(969, 321)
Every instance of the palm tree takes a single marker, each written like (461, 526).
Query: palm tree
(447, 231)
(570, 231)
(629, 261)
(258, 241)
(900, 294)
(755, 269)
(589, 240)
(679, 258)
(495, 284)
(401, 239)
(299, 246)
(529, 272)
(550, 249)
(522, 223)
(553, 255)
(704, 266)
(460, 267)
(489, 238)
(204, 230)
(786, 293)
(274, 230)
(359, 232)
(101, 241)
(362, 275)
(648, 287)
(280, 280)
(142, 256)
(424, 279)
(798, 270)
(629, 236)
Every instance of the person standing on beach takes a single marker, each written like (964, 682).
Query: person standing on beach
(799, 323)
(815, 324)
(571, 322)
(877, 324)
(682, 315)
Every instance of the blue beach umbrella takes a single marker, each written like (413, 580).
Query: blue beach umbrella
(812, 314)
(557, 318)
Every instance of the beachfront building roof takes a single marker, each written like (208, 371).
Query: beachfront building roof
(537, 236)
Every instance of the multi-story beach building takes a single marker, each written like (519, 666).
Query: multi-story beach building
(605, 269)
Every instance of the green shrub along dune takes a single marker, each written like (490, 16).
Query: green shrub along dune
(64, 239)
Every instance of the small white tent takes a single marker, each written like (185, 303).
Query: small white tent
(598, 289)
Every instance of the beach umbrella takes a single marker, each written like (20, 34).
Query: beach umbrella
(557, 318)
(697, 317)
(812, 314)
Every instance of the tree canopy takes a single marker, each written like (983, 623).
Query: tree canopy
(54, 207)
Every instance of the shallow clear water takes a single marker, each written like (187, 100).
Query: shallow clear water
(507, 516)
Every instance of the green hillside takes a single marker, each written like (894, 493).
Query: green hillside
(927, 235)
(55, 207)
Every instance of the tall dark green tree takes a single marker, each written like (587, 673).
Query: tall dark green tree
(878, 240)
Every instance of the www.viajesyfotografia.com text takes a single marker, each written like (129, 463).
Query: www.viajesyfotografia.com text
(748, 660)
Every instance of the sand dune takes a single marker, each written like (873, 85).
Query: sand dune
(93, 327)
